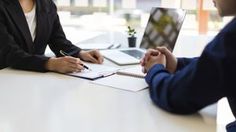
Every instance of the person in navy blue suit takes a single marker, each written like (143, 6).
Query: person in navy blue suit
(186, 85)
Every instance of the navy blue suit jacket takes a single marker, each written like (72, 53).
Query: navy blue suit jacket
(200, 81)
(17, 49)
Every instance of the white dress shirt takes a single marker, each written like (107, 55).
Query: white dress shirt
(31, 20)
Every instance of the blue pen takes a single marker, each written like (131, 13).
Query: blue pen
(66, 54)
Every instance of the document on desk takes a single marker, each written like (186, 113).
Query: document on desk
(95, 71)
(128, 83)
(135, 71)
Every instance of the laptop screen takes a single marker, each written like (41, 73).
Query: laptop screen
(163, 28)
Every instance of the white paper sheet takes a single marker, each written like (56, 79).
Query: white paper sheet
(135, 71)
(122, 82)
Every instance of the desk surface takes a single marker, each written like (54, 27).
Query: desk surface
(51, 102)
(224, 115)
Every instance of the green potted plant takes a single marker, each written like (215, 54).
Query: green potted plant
(132, 38)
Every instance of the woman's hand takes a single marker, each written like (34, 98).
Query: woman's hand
(93, 56)
(64, 64)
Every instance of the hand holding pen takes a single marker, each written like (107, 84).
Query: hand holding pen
(65, 64)
(66, 54)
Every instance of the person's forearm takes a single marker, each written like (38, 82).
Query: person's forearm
(171, 91)
(50, 65)
(158, 94)
(31, 63)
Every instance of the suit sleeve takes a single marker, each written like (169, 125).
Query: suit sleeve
(231, 127)
(194, 86)
(182, 62)
(58, 39)
(14, 56)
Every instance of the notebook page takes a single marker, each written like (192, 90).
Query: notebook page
(95, 71)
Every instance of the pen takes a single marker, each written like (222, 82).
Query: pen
(110, 46)
(66, 54)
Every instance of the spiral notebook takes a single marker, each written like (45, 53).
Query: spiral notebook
(135, 71)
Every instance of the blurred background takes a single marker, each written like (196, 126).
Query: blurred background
(84, 19)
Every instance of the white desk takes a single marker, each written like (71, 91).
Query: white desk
(50, 102)
(224, 115)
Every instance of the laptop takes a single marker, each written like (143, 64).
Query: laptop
(162, 29)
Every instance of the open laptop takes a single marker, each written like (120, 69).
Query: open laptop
(162, 29)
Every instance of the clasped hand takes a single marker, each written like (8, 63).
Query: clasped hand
(160, 55)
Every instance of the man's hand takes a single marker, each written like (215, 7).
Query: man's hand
(171, 60)
(64, 64)
(151, 59)
(93, 56)
(150, 52)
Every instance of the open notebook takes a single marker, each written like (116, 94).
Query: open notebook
(95, 71)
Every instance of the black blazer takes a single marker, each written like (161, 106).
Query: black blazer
(17, 49)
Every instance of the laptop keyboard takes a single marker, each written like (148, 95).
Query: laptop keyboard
(135, 53)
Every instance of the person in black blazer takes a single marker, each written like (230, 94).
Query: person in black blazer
(186, 85)
(26, 28)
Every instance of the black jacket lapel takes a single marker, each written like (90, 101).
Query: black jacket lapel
(18, 17)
